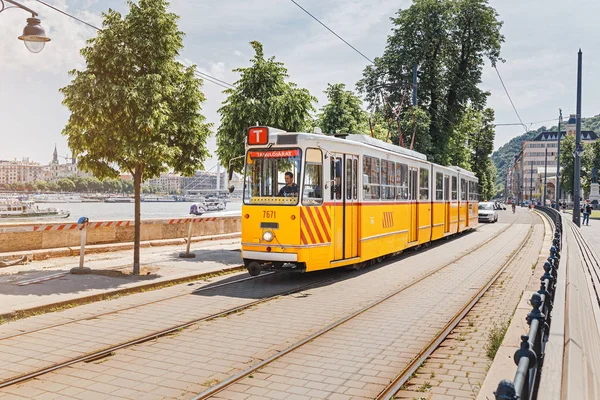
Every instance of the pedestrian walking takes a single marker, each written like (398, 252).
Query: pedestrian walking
(587, 211)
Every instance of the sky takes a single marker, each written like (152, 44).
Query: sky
(542, 38)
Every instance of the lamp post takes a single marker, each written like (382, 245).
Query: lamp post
(557, 188)
(33, 35)
(578, 147)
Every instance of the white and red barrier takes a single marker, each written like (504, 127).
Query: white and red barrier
(32, 236)
(94, 225)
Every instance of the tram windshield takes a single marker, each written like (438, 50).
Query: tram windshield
(272, 176)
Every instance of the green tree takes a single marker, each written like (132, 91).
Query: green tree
(449, 40)
(66, 185)
(481, 145)
(567, 163)
(344, 113)
(261, 96)
(40, 186)
(135, 108)
(53, 186)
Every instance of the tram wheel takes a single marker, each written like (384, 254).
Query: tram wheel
(254, 268)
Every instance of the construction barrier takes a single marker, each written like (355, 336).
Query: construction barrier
(27, 236)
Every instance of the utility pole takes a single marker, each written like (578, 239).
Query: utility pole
(414, 93)
(545, 174)
(531, 183)
(557, 188)
(578, 148)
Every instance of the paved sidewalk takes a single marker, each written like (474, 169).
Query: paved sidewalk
(42, 284)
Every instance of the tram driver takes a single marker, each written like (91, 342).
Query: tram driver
(290, 189)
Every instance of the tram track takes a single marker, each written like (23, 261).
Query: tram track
(224, 385)
(389, 392)
(109, 350)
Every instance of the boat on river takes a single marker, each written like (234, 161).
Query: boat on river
(14, 209)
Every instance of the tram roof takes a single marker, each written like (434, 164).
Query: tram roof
(364, 139)
(462, 171)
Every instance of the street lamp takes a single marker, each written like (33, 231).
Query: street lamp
(33, 35)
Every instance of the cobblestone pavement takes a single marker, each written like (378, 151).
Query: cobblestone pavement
(196, 358)
(456, 370)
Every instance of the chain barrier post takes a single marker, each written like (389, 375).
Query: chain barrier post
(187, 253)
(83, 222)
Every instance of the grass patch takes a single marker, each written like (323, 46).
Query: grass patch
(211, 382)
(424, 387)
(495, 338)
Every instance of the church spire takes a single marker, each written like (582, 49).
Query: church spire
(55, 155)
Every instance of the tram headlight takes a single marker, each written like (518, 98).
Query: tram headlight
(268, 236)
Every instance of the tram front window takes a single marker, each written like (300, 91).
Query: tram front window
(268, 173)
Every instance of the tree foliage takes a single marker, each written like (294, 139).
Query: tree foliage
(567, 164)
(261, 96)
(481, 145)
(135, 108)
(343, 113)
(449, 40)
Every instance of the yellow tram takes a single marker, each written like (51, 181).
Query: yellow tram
(348, 200)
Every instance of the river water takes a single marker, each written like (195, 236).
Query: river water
(124, 211)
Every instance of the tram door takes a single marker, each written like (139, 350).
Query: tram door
(446, 203)
(344, 210)
(413, 227)
(468, 204)
(351, 206)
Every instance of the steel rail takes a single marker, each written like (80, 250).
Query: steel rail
(230, 381)
(389, 392)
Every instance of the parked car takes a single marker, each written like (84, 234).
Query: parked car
(487, 212)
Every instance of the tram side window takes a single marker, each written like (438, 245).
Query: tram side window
(371, 178)
(388, 177)
(475, 190)
(355, 179)
(402, 181)
(313, 172)
(439, 186)
(454, 188)
(463, 190)
(424, 184)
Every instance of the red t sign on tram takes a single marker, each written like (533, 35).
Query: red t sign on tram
(258, 135)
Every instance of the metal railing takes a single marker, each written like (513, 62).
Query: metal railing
(530, 356)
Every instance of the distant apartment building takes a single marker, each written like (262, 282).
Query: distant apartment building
(168, 183)
(23, 171)
(525, 179)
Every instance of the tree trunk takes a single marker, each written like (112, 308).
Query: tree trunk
(137, 184)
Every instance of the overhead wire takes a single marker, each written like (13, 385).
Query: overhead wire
(332, 31)
(510, 99)
(203, 75)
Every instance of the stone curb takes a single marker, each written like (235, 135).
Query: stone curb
(23, 313)
(45, 254)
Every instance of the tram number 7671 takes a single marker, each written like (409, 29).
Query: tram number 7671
(269, 214)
